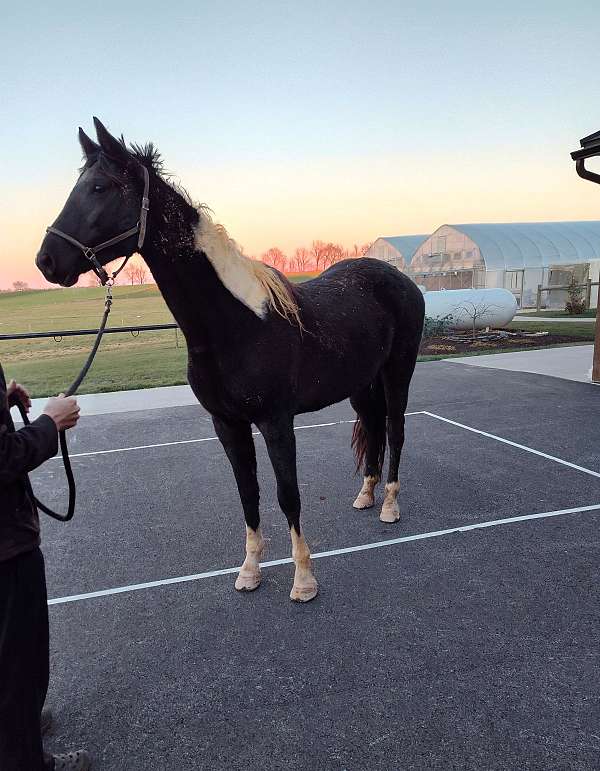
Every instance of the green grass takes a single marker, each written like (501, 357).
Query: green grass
(298, 278)
(491, 351)
(583, 331)
(123, 362)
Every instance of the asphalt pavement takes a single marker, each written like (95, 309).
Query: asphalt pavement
(473, 649)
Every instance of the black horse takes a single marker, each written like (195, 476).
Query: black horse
(260, 350)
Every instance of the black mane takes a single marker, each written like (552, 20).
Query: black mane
(149, 156)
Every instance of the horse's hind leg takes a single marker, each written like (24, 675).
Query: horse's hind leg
(280, 439)
(238, 443)
(397, 374)
(368, 440)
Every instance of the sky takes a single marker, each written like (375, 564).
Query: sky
(333, 120)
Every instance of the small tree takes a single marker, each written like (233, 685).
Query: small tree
(136, 272)
(318, 251)
(474, 312)
(575, 304)
(301, 259)
(20, 286)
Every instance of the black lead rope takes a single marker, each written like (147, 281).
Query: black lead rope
(64, 450)
(89, 253)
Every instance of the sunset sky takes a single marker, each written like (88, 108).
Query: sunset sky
(335, 120)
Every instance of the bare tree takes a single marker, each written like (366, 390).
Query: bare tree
(365, 248)
(93, 279)
(474, 311)
(136, 272)
(20, 286)
(333, 253)
(301, 259)
(318, 251)
(275, 258)
(129, 272)
(141, 272)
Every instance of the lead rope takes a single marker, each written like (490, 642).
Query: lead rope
(64, 450)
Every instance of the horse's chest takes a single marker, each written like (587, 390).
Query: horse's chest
(225, 390)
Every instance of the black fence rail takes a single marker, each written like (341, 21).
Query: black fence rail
(60, 333)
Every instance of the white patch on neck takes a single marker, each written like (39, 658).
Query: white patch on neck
(234, 269)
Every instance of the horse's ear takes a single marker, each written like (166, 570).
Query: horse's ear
(89, 147)
(115, 149)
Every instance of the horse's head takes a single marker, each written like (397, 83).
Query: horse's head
(105, 203)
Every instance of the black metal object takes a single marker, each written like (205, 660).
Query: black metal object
(76, 332)
(590, 148)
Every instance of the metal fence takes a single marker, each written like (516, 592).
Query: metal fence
(60, 333)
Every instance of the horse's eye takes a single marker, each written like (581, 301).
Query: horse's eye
(99, 188)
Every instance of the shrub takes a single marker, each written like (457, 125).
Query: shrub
(436, 327)
(575, 304)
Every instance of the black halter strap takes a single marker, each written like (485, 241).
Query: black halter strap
(89, 252)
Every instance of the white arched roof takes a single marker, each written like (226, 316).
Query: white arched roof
(519, 245)
(405, 245)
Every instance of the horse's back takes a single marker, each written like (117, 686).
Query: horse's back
(355, 286)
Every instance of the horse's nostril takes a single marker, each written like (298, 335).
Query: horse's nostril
(45, 263)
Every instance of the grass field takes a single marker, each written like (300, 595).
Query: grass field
(124, 361)
(580, 332)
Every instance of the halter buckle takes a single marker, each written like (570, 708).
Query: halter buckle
(146, 204)
(89, 254)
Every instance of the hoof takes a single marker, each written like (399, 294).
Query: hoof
(364, 501)
(390, 513)
(304, 593)
(247, 582)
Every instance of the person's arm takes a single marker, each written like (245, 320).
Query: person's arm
(24, 450)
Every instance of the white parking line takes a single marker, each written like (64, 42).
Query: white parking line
(323, 554)
(514, 444)
(196, 441)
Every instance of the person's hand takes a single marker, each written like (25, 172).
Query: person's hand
(15, 393)
(63, 410)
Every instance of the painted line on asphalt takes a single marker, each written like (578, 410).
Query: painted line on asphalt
(514, 444)
(197, 441)
(323, 554)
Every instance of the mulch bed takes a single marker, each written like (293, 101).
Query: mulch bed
(493, 341)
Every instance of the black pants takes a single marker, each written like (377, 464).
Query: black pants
(24, 661)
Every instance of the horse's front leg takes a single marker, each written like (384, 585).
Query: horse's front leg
(238, 443)
(281, 445)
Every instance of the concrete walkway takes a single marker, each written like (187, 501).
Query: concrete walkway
(129, 401)
(570, 363)
(550, 320)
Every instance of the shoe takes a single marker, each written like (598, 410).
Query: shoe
(73, 761)
(46, 721)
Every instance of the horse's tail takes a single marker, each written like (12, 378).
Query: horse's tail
(374, 415)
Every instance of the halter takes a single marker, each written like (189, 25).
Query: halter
(89, 252)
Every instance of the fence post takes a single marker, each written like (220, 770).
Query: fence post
(596, 360)
(538, 303)
(588, 294)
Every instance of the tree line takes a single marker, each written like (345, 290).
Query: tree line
(319, 256)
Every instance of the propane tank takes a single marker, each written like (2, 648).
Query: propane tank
(462, 307)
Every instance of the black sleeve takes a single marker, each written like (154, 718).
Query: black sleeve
(24, 450)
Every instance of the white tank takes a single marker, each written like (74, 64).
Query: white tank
(487, 307)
